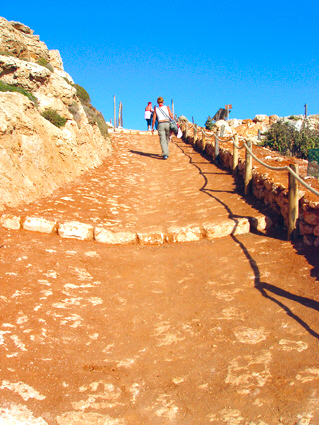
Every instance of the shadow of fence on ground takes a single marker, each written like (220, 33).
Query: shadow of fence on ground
(264, 288)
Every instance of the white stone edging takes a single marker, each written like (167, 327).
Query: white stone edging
(82, 231)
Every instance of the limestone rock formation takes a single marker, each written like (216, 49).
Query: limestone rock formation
(249, 128)
(36, 156)
(18, 39)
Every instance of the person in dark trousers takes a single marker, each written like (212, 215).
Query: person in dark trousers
(163, 114)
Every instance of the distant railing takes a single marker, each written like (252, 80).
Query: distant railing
(293, 170)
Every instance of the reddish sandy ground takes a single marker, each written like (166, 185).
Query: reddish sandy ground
(208, 332)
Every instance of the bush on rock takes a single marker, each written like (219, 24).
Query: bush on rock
(54, 118)
(4, 87)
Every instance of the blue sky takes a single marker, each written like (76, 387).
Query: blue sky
(261, 57)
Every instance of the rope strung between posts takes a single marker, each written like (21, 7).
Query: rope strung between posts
(315, 192)
(215, 135)
(238, 147)
(263, 163)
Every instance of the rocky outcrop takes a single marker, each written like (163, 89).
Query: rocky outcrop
(248, 128)
(18, 40)
(251, 128)
(36, 157)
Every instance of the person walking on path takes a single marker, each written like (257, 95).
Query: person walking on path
(163, 114)
(149, 115)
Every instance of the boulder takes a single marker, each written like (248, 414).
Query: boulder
(261, 222)
(76, 230)
(230, 227)
(309, 240)
(306, 229)
(273, 119)
(227, 129)
(234, 122)
(154, 237)
(261, 118)
(10, 221)
(39, 224)
(21, 27)
(313, 121)
(311, 217)
(114, 238)
(182, 119)
(184, 234)
(252, 130)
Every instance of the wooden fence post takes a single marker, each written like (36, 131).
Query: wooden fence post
(216, 157)
(120, 121)
(235, 155)
(248, 168)
(186, 133)
(195, 135)
(203, 140)
(293, 211)
(114, 107)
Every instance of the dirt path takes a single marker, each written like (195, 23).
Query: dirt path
(135, 190)
(208, 332)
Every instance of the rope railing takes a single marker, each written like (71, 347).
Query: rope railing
(315, 192)
(296, 176)
(263, 163)
(238, 147)
(292, 170)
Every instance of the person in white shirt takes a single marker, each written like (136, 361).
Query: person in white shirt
(148, 115)
(163, 114)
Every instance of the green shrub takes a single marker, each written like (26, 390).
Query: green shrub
(292, 117)
(54, 118)
(103, 127)
(209, 124)
(93, 115)
(68, 81)
(44, 62)
(96, 118)
(75, 111)
(82, 93)
(3, 53)
(90, 114)
(286, 139)
(4, 87)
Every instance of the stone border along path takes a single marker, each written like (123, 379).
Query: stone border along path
(136, 197)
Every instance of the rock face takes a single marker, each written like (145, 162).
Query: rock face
(19, 40)
(37, 157)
